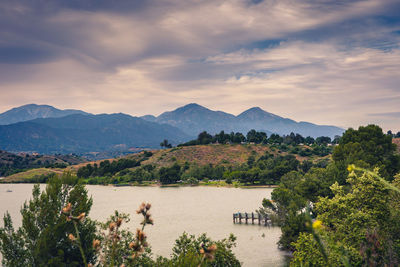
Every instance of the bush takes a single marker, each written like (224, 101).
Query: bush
(202, 251)
(42, 240)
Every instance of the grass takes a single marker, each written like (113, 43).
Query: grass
(216, 154)
(21, 176)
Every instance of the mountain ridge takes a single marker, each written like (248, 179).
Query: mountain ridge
(35, 111)
(194, 118)
(82, 132)
(79, 133)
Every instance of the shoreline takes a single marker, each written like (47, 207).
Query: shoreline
(169, 185)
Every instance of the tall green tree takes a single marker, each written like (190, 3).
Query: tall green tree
(170, 175)
(360, 226)
(42, 240)
(367, 147)
(165, 144)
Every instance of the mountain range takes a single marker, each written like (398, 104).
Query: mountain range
(47, 130)
(79, 134)
(193, 118)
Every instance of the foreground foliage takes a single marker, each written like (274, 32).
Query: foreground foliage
(366, 147)
(56, 231)
(359, 213)
(42, 240)
(358, 228)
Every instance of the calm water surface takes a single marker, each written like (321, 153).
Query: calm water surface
(195, 210)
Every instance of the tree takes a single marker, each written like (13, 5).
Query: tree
(165, 144)
(275, 139)
(237, 138)
(367, 147)
(204, 138)
(309, 140)
(42, 240)
(256, 137)
(169, 175)
(323, 140)
(336, 139)
(222, 137)
(359, 225)
(298, 139)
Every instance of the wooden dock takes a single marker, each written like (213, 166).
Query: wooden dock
(252, 217)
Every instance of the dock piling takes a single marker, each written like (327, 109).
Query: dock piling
(261, 219)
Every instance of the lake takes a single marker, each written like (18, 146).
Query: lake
(195, 210)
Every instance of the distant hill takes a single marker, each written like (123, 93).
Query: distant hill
(86, 133)
(228, 155)
(33, 111)
(193, 118)
(12, 163)
(216, 155)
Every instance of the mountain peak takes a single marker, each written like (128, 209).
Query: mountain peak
(34, 111)
(255, 109)
(256, 113)
(31, 106)
(192, 106)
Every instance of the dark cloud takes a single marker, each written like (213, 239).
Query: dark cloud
(24, 55)
(320, 57)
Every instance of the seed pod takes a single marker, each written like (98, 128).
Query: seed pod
(96, 244)
(71, 237)
(111, 226)
(67, 209)
(81, 216)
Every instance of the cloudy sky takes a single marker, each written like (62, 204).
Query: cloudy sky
(329, 62)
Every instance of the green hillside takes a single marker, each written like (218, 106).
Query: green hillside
(216, 154)
(13, 163)
(251, 164)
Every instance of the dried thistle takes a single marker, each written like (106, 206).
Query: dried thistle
(148, 206)
(142, 208)
(67, 209)
(96, 244)
(140, 235)
(112, 226)
(209, 252)
(81, 216)
(71, 237)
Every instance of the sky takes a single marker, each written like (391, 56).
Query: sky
(331, 62)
